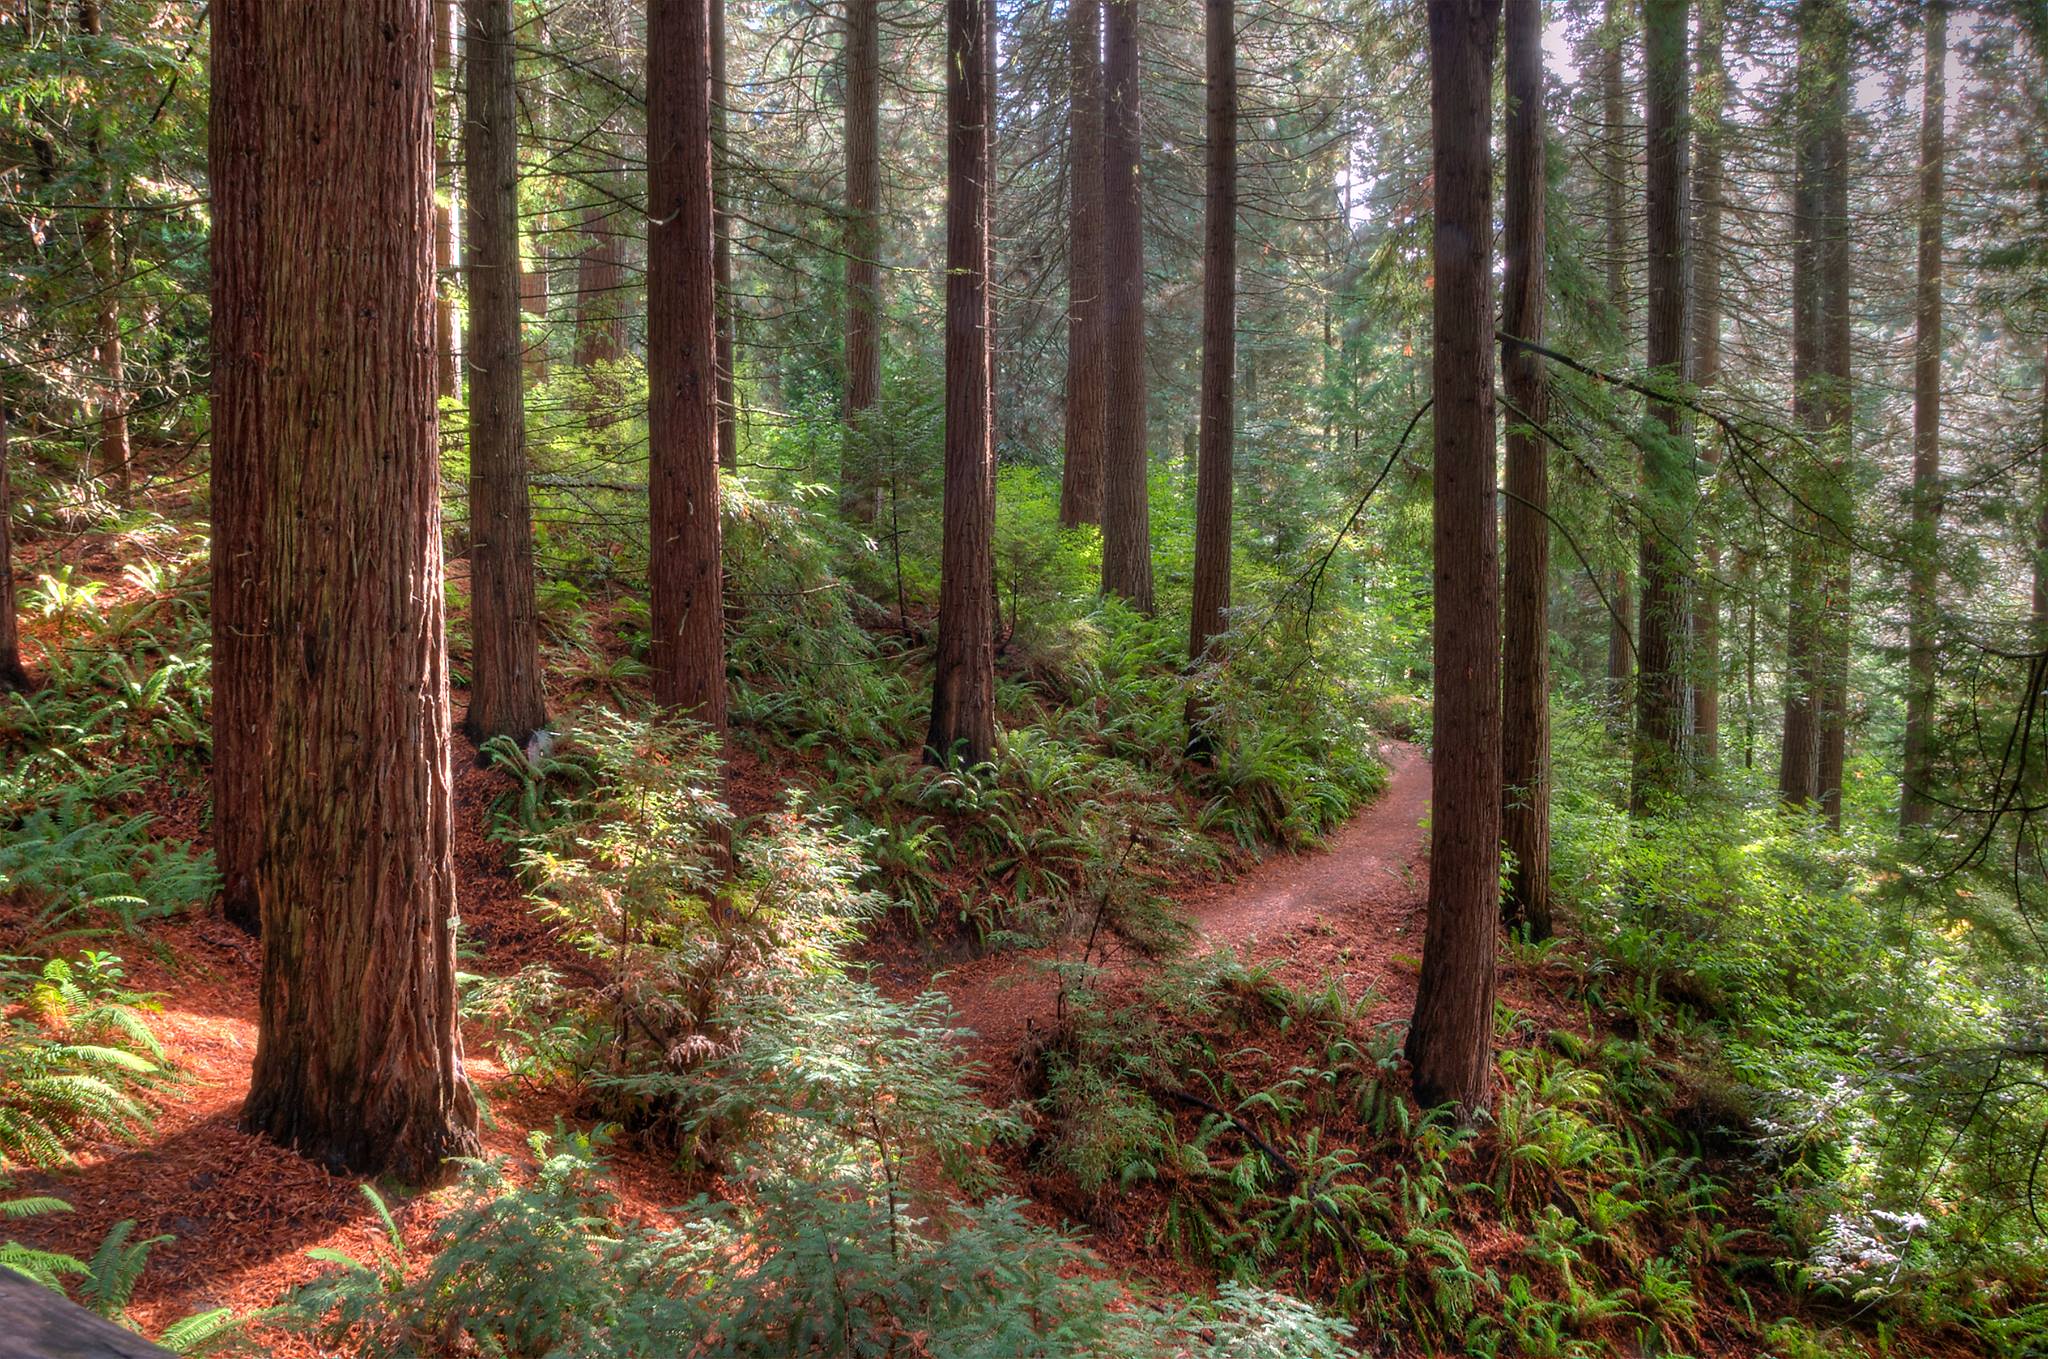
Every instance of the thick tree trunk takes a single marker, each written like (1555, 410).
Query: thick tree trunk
(1925, 571)
(358, 1060)
(1668, 479)
(238, 273)
(863, 57)
(721, 261)
(13, 678)
(1215, 441)
(1525, 679)
(505, 696)
(1126, 507)
(449, 367)
(1450, 1042)
(1087, 402)
(682, 377)
(963, 682)
(1708, 174)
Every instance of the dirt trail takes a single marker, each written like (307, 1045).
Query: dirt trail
(1352, 909)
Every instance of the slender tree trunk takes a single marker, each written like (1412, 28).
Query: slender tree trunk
(1668, 478)
(505, 696)
(600, 287)
(238, 271)
(963, 682)
(358, 1059)
(682, 376)
(1215, 440)
(863, 58)
(1615, 160)
(1708, 175)
(533, 301)
(103, 249)
(449, 365)
(721, 202)
(13, 678)
(1126, 506)
(1087, 408)
(1450, 1042)
(1525, 680)
(1837, 415)
(1918, 763)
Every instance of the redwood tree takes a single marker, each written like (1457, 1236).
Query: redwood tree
(12, 677)
(358, 1060)
(1668, 480)
(505, 681)
(1219, 347)
(682, 377)
(240, 606)
(1087, 408)
(1917, 775)
(1126, 509)
(448, 371)
(1525, 679)
(1708, 178)
(963, 681)
(721, 243)
(1450, 1041)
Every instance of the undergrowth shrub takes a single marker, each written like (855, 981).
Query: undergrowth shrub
(78, 1058)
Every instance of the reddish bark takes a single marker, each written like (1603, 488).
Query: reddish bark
(13, 678)
(358, 1062)
(682, 367)
(1087, 399)
(721, 263)
(1450, 1041)
(963, 682)
(1215, 438)
(1126, 465)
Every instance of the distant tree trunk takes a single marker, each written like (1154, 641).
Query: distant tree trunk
(103, 250)
(863, 57)
(1918, 771)
(963, 682)
(1525, 680)
(1708, 188)
(505, 696)
(533, 301)
(600, 283)
(1450, 1042)
(238, 272)
(1126, 465)
(721, 199)
(1837, 412)
(358, 1059)
(1213, 471)
(13, 678)
(1668, 478)
(1087, 408)
(449, 366)
(1621, 624)
(682, 377)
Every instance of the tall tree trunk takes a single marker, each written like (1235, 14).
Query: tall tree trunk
(1668, 479)
(1126, 507)
(505, 696)
(1837, 415)
(449, 367)
(1525, 679)
(238, 272)
(1708, 176)
(103, 250)
(358, 1059)
(600, 285)
(533, 301)
(963, 681)
(1215, 440)
(1087, 408)
(1925, 577)
(1450, 1042)
(13, 678)
(682, 376)
(863, 57)
(1615, 160)
(721, 246)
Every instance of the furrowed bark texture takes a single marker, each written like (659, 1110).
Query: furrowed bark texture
(237, 475)
(963, 682)
(1087, 408)
(1918, 763)
(1668, 478)
(1525, 678)
(505, 697)
(1126, 508)
(358, 1061)
(1450, 1042)
(682, 380)
(1219, 338)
